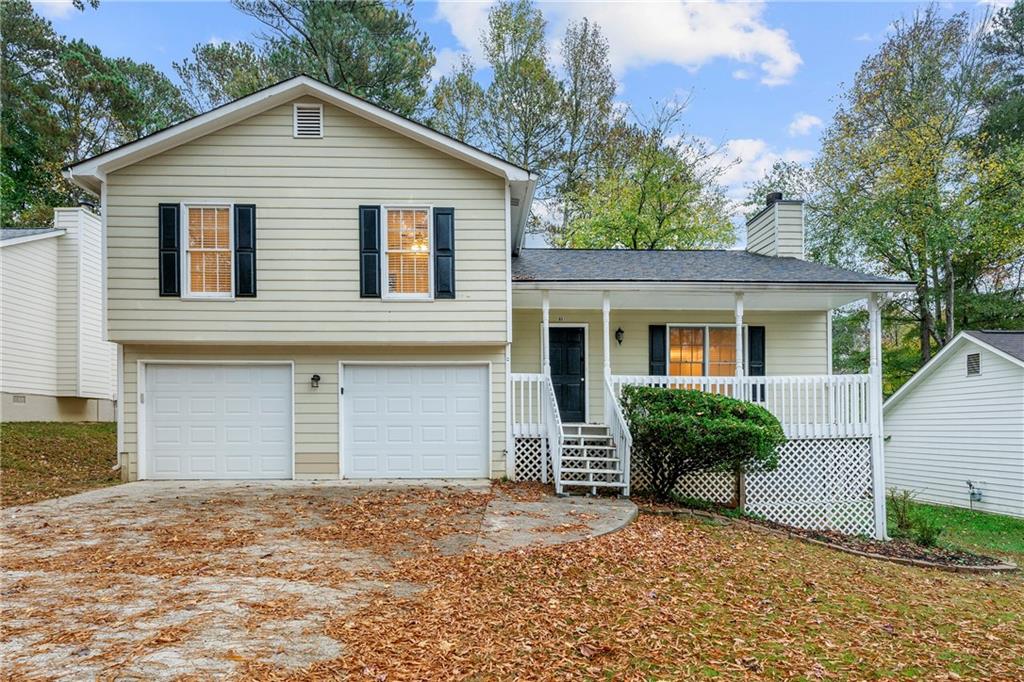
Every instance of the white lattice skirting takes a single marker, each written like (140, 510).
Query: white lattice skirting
(821, 483)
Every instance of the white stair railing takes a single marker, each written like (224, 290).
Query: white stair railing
(553, 424)
(619, 431)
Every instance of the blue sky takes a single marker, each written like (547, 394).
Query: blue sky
(762, 76)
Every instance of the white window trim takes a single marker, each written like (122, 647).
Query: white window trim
(295, 121)
(385, 286)
(186, 280)
(707, 341)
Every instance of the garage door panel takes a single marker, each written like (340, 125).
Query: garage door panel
(219, 421)
(419, 421)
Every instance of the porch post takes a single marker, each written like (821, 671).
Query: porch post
(545, 341)
(875, 413)
(740, 355)
(606, 308)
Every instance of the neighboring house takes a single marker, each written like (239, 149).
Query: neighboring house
(305, 285)
(958, 424)
(56, 364)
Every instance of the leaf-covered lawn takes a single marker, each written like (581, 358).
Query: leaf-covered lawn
(40, 460)
(976, 530)
(678, 599)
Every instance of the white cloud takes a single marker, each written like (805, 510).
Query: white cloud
(751, 158)
(741, 74)
(863, 38)
(54, 9)
(645, 33)
(803, 124)
(446, 58)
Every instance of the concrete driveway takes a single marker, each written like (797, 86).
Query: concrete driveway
(162, 580)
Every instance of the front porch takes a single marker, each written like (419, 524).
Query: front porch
(776, 348)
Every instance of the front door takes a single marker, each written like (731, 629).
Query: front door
(568, 374)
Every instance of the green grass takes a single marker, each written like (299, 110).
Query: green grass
(975, 530)
(40, 460)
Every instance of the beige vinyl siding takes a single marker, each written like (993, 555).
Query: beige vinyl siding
(789, 234)
(316, 410)
(950, 428)
(28, 329)
(795, 342)
(307, 193)
(761, 234)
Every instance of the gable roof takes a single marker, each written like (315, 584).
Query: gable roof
(1010, 347)
(18, 235)
(725, 266)
(91, 173)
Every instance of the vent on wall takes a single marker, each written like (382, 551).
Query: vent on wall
(309, 120)
(973, 364)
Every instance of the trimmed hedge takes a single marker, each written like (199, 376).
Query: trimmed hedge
(677, 432)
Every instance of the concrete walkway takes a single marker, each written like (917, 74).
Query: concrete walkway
(161, 579)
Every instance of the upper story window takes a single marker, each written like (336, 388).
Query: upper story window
(703, 350)
(208, 251)
(407, 252)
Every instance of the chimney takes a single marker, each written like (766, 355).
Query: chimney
(778, 228)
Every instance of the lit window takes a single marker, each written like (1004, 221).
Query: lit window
(407, 252)
(702, 351)
(208, 257)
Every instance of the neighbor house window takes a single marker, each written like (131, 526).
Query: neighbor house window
(702, 350)
(208, 254)
(407, 252)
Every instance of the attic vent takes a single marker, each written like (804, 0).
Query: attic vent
(309, 120)
(973, 364)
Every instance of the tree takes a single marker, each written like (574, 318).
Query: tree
(901, 177)
(1004, 45)
(521, 106)
(587, 110)
(370, 48)
(458, 103)
(223, 72)
(656, 190)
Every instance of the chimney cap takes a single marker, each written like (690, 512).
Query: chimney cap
(772, 198)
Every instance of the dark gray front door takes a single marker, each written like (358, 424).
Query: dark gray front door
(568, 372)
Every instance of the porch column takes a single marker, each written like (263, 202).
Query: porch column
(606, 308)
(875, 412)
(740, 355)
(545, 350)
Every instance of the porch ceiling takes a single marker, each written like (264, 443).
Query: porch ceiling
(656, 296)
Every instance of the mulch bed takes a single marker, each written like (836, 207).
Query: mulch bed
(896, 549)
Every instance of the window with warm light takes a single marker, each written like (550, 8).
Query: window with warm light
(407, 252)
(702, 351)
(208, 254)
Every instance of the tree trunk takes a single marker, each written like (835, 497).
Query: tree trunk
(927, 322)
(950, 294)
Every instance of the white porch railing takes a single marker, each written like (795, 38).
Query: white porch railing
(820, 406)
(619, 431)
(535, 415)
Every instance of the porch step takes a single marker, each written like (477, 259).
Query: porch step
(590, 471)
(584, 458)
(595, 484)
(585, 430)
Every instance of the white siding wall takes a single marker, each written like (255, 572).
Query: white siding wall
(316, 411)
(28, 330)
(951, 428)
(307, 193)
(795, 342)
(778, 230)
(96, 355)
(67, 301)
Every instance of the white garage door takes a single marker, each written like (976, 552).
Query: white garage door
(415, 421)
(218, 421)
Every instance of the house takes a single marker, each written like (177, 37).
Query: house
(56, 364)
(955, 431)
(302, 284)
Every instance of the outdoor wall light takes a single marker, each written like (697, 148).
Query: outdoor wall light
(314, 381)
(619, 334)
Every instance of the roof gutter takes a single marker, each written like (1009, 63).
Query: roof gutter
(733, 286)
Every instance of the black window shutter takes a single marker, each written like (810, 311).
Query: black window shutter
(755, 362)
(656, 336)
(444, 253)
(755, 339)
(170, 249)
(369, 251)
(245, 250)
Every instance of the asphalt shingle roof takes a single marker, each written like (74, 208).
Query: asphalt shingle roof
(1010, 342)
(15, 232)
(623, 265)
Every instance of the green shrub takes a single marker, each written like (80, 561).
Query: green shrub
(901, 508)
(676, 432)
(927, 531)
